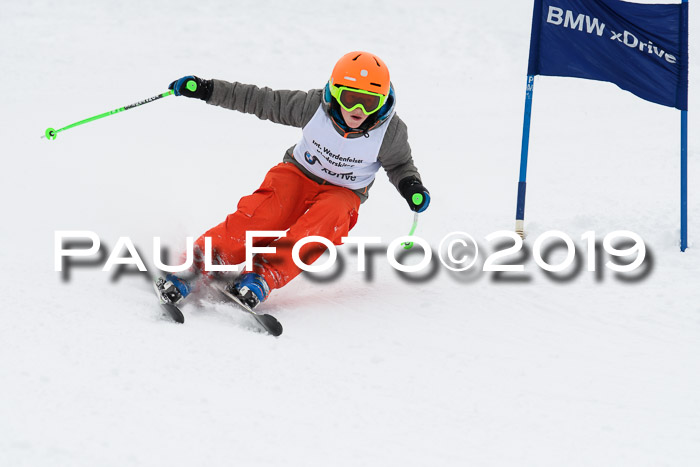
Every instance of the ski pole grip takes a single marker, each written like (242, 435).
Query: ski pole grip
(417, 199)
(191, 85)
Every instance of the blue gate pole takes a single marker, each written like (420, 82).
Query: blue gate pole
(684, 180)
(522, 181)
(684, 162)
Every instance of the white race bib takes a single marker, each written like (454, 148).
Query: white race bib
(347, 162)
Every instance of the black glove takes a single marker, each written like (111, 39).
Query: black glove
(191, 86)
(415, 193)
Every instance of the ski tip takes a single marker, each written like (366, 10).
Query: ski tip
(174, 312)
(270, 324)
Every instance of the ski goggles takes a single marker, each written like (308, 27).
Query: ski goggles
(351, 98)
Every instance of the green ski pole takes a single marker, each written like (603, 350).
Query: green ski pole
(417, 200)
(50, 133)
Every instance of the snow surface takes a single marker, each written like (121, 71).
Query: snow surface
(371, 370)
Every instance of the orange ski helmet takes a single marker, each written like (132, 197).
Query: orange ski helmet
(361, 70)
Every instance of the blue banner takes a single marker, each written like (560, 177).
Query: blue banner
(642, 48)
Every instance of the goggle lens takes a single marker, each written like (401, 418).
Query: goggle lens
(349, 99)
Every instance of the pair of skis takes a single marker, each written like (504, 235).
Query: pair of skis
(267, 323)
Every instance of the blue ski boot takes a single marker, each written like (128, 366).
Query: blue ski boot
(251, 288)
(173, 289)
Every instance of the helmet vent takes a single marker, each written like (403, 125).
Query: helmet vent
(375, 59)
(375, 84)
(358, 56)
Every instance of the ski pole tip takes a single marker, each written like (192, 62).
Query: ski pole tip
(50, 133)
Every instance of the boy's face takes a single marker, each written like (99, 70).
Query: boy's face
(353, 119)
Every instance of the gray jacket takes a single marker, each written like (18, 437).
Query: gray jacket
(296, 108)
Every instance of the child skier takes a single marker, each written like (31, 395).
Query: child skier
(349, 130)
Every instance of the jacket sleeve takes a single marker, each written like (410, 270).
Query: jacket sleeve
(293, 108)
(395, 153)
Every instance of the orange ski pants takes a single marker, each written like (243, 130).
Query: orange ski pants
(286, 200)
